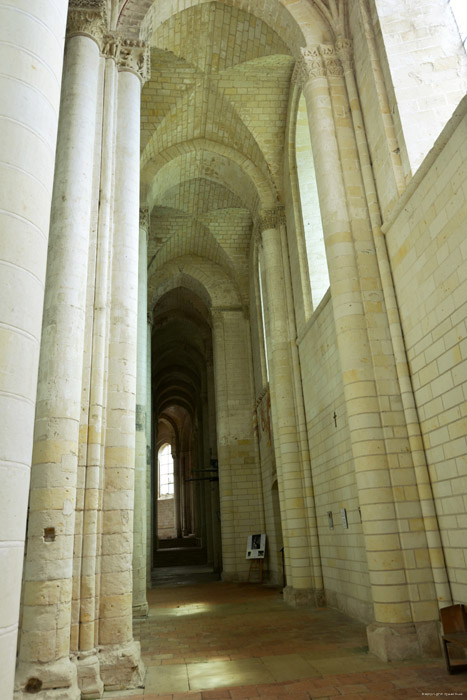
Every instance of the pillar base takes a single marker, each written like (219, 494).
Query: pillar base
(304, 597)
(89, 676)
(121, 666)
(57, 680)
(140, 611)
(404, 641)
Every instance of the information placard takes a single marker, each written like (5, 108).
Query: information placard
(256, 546)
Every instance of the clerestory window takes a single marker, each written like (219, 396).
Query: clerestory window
(459, 10)
(166, 472)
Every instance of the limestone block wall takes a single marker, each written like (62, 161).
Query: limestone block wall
(166, 518)
(343, 556)
(239, 476)
(427, 65)
(426, 240)
(382, 125)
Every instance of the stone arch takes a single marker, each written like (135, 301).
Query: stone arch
(207, 279)
(152, 163)
(215, 167)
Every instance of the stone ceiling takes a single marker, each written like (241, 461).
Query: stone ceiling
(213, 124)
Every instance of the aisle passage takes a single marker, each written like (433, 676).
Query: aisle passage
(221, 641)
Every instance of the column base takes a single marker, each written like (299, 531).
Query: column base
(89, 676)
(304, 597)
(404, 641)
(140, 611)
(121, 666)
(57, 680)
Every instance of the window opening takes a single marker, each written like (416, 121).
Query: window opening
(311, 213)
(166, 472)
(261, 301)
(459, 10)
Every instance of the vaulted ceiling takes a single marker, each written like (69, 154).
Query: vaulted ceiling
(213, 125)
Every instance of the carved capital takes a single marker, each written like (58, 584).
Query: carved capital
(267, 220)
(312, 64)
(88, 18)
(144, 219)
(344, 51)
(331, 61)
(133, 55)
(300, 72)
(281, 218)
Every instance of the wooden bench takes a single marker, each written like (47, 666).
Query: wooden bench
(454, 621)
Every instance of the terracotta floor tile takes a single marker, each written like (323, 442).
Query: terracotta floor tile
(226, 641)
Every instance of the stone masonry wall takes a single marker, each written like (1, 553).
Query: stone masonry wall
(342, 550)
(166, 518)
(427, 245)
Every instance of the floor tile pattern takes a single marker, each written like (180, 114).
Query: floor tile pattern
(225, 641)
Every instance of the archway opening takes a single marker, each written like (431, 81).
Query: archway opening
(185, 497)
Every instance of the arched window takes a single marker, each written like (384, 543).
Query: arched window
(459, 10)
(263, 322)
(312, 224)
(166, 472)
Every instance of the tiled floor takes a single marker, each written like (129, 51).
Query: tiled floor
(217, 641)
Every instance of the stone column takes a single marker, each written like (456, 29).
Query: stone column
(223, 448)
(368, 384)
(401, 365)
(32, 38)
(149, 458)
(140, 604)
(45, 639)
(87, 656)
(121, 665)
(286, 441)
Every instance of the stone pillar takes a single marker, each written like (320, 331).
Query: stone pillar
(149, 458)
(120, 659)
(87, 656)
(45, 638)
(223, 448)
(140, 604)
(290, 478)
(404, 613)
(32, 39)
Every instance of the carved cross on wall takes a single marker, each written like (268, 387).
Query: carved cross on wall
(335, 419)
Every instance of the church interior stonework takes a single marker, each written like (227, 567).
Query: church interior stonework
(233, 300)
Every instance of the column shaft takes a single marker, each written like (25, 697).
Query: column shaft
(45, 640)
(223, 448)
(87, 657)
(140, 605)
(31, 39)
(295, 525)
(121, 665)
(369, 378)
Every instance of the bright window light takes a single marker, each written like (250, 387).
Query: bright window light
(166, 472)
(459, 9)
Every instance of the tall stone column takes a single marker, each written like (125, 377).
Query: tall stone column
(290, 478)
(403, 613)
(223, 447)
(400, 364)
(149, 457)
(121, 665)
(32, 39)
(140, 604)
(45, 638)
(87, 656)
